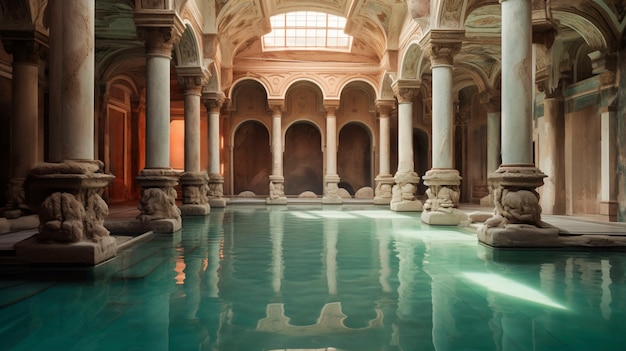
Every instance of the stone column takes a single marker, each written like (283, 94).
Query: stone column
(493, 141)
(158, 201)
(517, 215)
(195, 182)
(403, 193)
(68, 193)
(25, 119)
(277, 180)
(552, 152)
(331, 179)
(443, 180)
(213, 103)
(384, 180)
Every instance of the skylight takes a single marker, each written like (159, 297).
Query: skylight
(307, 30)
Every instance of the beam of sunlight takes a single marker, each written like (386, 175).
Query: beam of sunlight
(332, 214)
(510, 287)
(303, 215)
(380, 214)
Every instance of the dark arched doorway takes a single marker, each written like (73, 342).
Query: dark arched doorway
(303, 159)
(354, 157)
(420, 156)
(252, 159)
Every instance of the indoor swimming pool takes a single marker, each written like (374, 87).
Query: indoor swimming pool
(317, 277)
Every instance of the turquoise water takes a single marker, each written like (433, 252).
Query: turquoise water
(353, 277)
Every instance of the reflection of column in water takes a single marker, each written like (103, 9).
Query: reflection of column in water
(210, 310)
(330, 252)
(388, 301)
(276, 236)
(185, 327)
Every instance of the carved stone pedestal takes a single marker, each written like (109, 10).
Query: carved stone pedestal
(277, 191)
(403, 193)
(71, 214)
(384, 185)
(331, 190)
(517, 218)
(195, 194)
(216, 191)
(158, 200)
(443, 198)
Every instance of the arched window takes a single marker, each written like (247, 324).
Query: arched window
(307, 30)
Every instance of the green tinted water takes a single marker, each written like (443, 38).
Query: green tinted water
(350, 278)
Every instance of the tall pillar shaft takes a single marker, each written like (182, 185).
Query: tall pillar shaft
(25, 120)
(608, 173)
(403, 192)
(277, 143)
(158, 110)
(213, 102)
(443, 117)
(72, 57)
(493, 140)
(552, 154)
(331, 179)
(384, 180)
(442, 179)
(517, 85)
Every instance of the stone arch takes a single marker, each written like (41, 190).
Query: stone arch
(303, 159)
(386, 92)
(467, 74)
(252, 158)
(187, 51)
(449, 14)
(413, 62)
(591, 32)
(252, 102)
(245, 80)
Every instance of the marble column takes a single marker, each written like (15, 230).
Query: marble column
(213, 102)
(158, 201)
(384, 179)
(195, 182)
(69, 191)
(331, 179)
(443, 179)
(25, 118)
(403, 192)
(277, 180)
(517, 217)
(493, 141)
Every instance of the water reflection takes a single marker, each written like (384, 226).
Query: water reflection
(246, 278)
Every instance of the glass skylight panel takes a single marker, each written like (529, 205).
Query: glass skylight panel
(305, 30)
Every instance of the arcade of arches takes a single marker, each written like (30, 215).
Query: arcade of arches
(178, 106)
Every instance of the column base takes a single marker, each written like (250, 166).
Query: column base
(158, 199)
(331, 190)
(216, 191)
(277, 193)
(403, 193)
(450, 216)
(195, 209)
(519, 235)
(383, 191)
(83, 252)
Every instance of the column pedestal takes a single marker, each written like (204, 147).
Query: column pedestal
(216, 191)
(195, 194)
(331, 190)
(158, 200)
(71, 214)
(403, 193)
(382, 193)
(517, 218)
(277, 191)
(443, 198)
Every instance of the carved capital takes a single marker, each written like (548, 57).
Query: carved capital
(331, 107)
(159, 40)
(213, 101)
(405, 90)
(385, 107)
(492, 100)
(24, 51)
(193, 84)
(443, 53)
